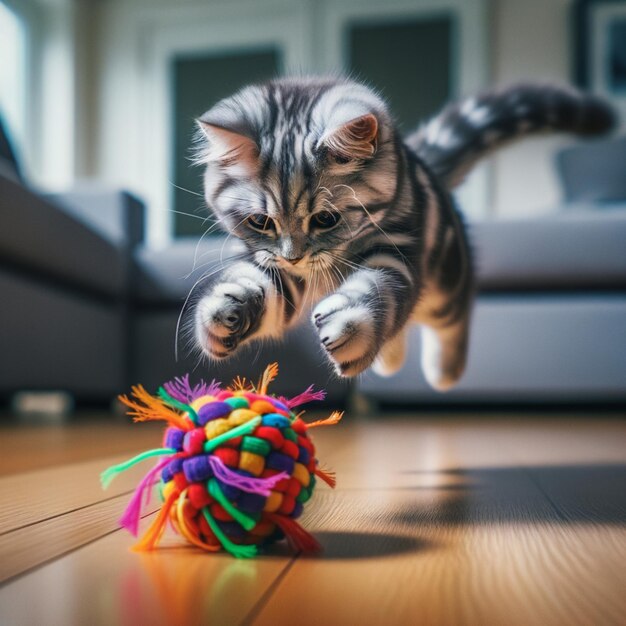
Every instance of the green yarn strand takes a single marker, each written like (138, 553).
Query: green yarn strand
(177, 404)
(106, 478)
(240, 552)
(244, 520)
(244, 429)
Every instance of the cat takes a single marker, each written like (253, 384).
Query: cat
(342, 217)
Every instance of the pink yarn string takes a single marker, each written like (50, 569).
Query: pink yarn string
(262, 486)
(132, 514)
(306, 396)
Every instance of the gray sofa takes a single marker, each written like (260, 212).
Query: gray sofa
(65, 270)
(89, 309)
(550, 318)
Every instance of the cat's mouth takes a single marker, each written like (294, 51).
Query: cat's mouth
(299, 267)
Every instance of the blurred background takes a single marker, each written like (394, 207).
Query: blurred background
(102, 219)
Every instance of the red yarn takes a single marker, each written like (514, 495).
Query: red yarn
(299, 538)
(290, 449)
(228, 456)
(271, 434)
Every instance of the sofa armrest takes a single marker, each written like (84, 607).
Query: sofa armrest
(46, 241)
(117, 215)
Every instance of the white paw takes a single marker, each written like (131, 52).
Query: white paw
(347, 334)
(226, 316)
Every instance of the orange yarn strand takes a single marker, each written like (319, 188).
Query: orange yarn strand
(240, 384)
(148, 408)
(331, 420)
(270, 373)
(155, 531)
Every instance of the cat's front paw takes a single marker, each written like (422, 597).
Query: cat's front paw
(347, 334)
(227, 315)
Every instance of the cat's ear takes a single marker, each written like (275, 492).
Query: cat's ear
(232, 149)
(354, 139)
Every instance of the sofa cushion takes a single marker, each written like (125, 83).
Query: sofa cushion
(526, 347)
(580, 249)
(166, 276)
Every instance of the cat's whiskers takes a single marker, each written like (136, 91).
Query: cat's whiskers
(186, 302)
(207, 232)
(193, 193)
(230, 234)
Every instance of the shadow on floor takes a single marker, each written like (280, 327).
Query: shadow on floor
(356, 545)
(566, 494)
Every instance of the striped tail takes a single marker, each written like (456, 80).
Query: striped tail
(464, 132)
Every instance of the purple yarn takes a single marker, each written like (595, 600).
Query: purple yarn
(174, 438)
(181, 389)
(252, 485)
(172, 468)
(212, 411)
(281, 406)
(297, 510)
(232, 529)
(280, 461)
(210, 390)
(232, 493)
(197, 468)
(304, 456)
(251, 502)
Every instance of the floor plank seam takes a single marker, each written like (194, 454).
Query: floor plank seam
(51, 517)
(30, 570)
(560, 515)
(258, 606)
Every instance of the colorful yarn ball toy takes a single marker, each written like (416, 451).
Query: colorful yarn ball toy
(236, 469)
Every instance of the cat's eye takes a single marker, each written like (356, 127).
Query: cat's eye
(339, 159)
(261, 222)
(325, 219)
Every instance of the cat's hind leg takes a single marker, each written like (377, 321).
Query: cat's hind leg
(444, 353)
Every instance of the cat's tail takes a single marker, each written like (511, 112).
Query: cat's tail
(464, 132)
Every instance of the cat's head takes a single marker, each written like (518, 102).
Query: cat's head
(300, 169)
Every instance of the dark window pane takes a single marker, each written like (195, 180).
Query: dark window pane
(616, 53)
(410, 62)
(198, 82)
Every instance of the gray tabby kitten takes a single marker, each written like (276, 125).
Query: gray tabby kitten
(340, 213)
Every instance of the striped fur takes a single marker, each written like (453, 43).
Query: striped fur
(343, 218)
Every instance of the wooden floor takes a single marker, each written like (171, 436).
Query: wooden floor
(435, 520)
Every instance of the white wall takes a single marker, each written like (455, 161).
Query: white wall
(530, 40)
